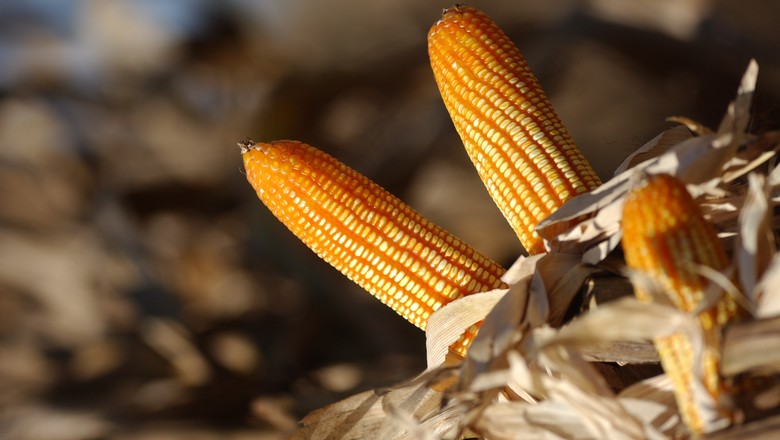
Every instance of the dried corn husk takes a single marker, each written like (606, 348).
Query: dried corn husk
(531, 370)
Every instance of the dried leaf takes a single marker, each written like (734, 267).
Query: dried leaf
(768, 295)
(355, 417)
(560, 277)
(762, 429)
(446, 325)
(755, 246)
(518, 310)
(520, 421)
(522, 380)
(578, 384)
(602, 416)
(691, 125)
(752, 345)
(564, 359)
(389, 413)
(736, 121)
(660, 391)
(405, 420)
(621, 352)
(626, 319)
(659, 418)
(522, 268)
(655, 147)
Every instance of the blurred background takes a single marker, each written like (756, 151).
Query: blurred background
(145, 292)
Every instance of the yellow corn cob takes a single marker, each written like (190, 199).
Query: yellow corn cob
(523, 153)
(666, 237)
(376, 240)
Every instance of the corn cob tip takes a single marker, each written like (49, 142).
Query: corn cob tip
(246, 145)
(454, 13)
(457, 7)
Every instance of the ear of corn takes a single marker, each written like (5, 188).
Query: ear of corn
(523, 153)
(666, 236)
(376, 240)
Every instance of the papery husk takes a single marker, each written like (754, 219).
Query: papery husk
(538, 366)
(410, 410)
(767, 293)
(752, 345)
(756, 244)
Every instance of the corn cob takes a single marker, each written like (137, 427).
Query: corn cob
(523, 153)
(376, 240)
(666, 237)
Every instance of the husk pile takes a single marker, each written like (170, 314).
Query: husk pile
(565, 352)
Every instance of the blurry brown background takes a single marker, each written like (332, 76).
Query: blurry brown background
(145, 293)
